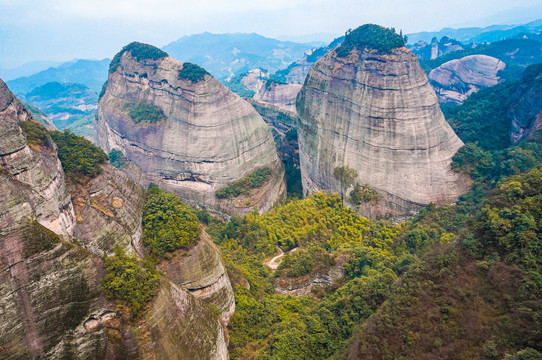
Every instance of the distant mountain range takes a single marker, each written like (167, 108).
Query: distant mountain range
(227, 55)
(27, 69)
(91, 73)
(478, 34)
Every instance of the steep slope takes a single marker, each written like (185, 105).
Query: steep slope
(202, 138)
(52, 304)
(281, 95)
(201, 272)
(35, 167)
(456, 80)
(374, 111)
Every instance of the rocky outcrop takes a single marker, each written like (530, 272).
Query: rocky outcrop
(254, 80)
(200, 271)
(455, 80)
(526, 109)
(34, 167)
(108, 212)
(281, 95)
(283, 125)
(51, 302)
(376, 113)
(209, 138)
(302, 286)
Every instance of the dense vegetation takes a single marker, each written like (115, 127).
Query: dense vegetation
(485, 118)
(457, 281)
(372, 37)
(254, 180)
(131, 282)
(36, 133)
(168, 223)
(484, 112)
(117, 159)
(140, 112)
(79, 157)
(192, 72)
(361, 194)
(139, 51)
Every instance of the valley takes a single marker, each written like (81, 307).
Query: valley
(234, 196)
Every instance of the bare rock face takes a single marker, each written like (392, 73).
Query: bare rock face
(36, 167)
(455, 80)
(376, 113)
(201, 272)
(254, 80)
(108, 212)
(278, 94)
(209, 138)
(51, 302)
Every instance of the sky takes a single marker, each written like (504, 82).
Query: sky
(61, 30)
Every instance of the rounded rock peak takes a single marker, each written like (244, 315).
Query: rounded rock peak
(139, 51)
(370, 36)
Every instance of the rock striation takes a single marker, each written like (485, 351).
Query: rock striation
(375, 112)
(208, 138)
(455, 80)
(281, 95)
(51, 302)
(202, 273)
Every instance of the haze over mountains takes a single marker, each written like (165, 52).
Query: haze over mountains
(359, 199)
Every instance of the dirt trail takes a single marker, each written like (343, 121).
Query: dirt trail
(273, 263)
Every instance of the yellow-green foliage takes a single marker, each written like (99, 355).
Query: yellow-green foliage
(36, 134)
(79, 157)
(133, 283)
(168, 223)
(363, 194)
(254, 180)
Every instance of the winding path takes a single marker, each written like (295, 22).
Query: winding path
(273, 264)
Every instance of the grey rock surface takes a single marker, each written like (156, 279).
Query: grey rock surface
(281, 95)
(376, 113)
(211, 136)
(455, 80)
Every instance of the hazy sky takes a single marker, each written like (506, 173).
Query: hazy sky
(66, 29)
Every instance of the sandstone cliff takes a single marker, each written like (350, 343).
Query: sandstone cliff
(279, 94)
(455, 80)
(201, 272)
(51, 302)
(208, 137)
(375, 112)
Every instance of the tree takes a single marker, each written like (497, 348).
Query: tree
(346, 175)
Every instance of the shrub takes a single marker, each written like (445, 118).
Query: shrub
(253, 180)
(79, 157)
(363, 194)
(133, 283)
(370, 36)
(36, 134)
(139, 51)
(168, 223)
(142, 112)
(117, 159)
(192, 72)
